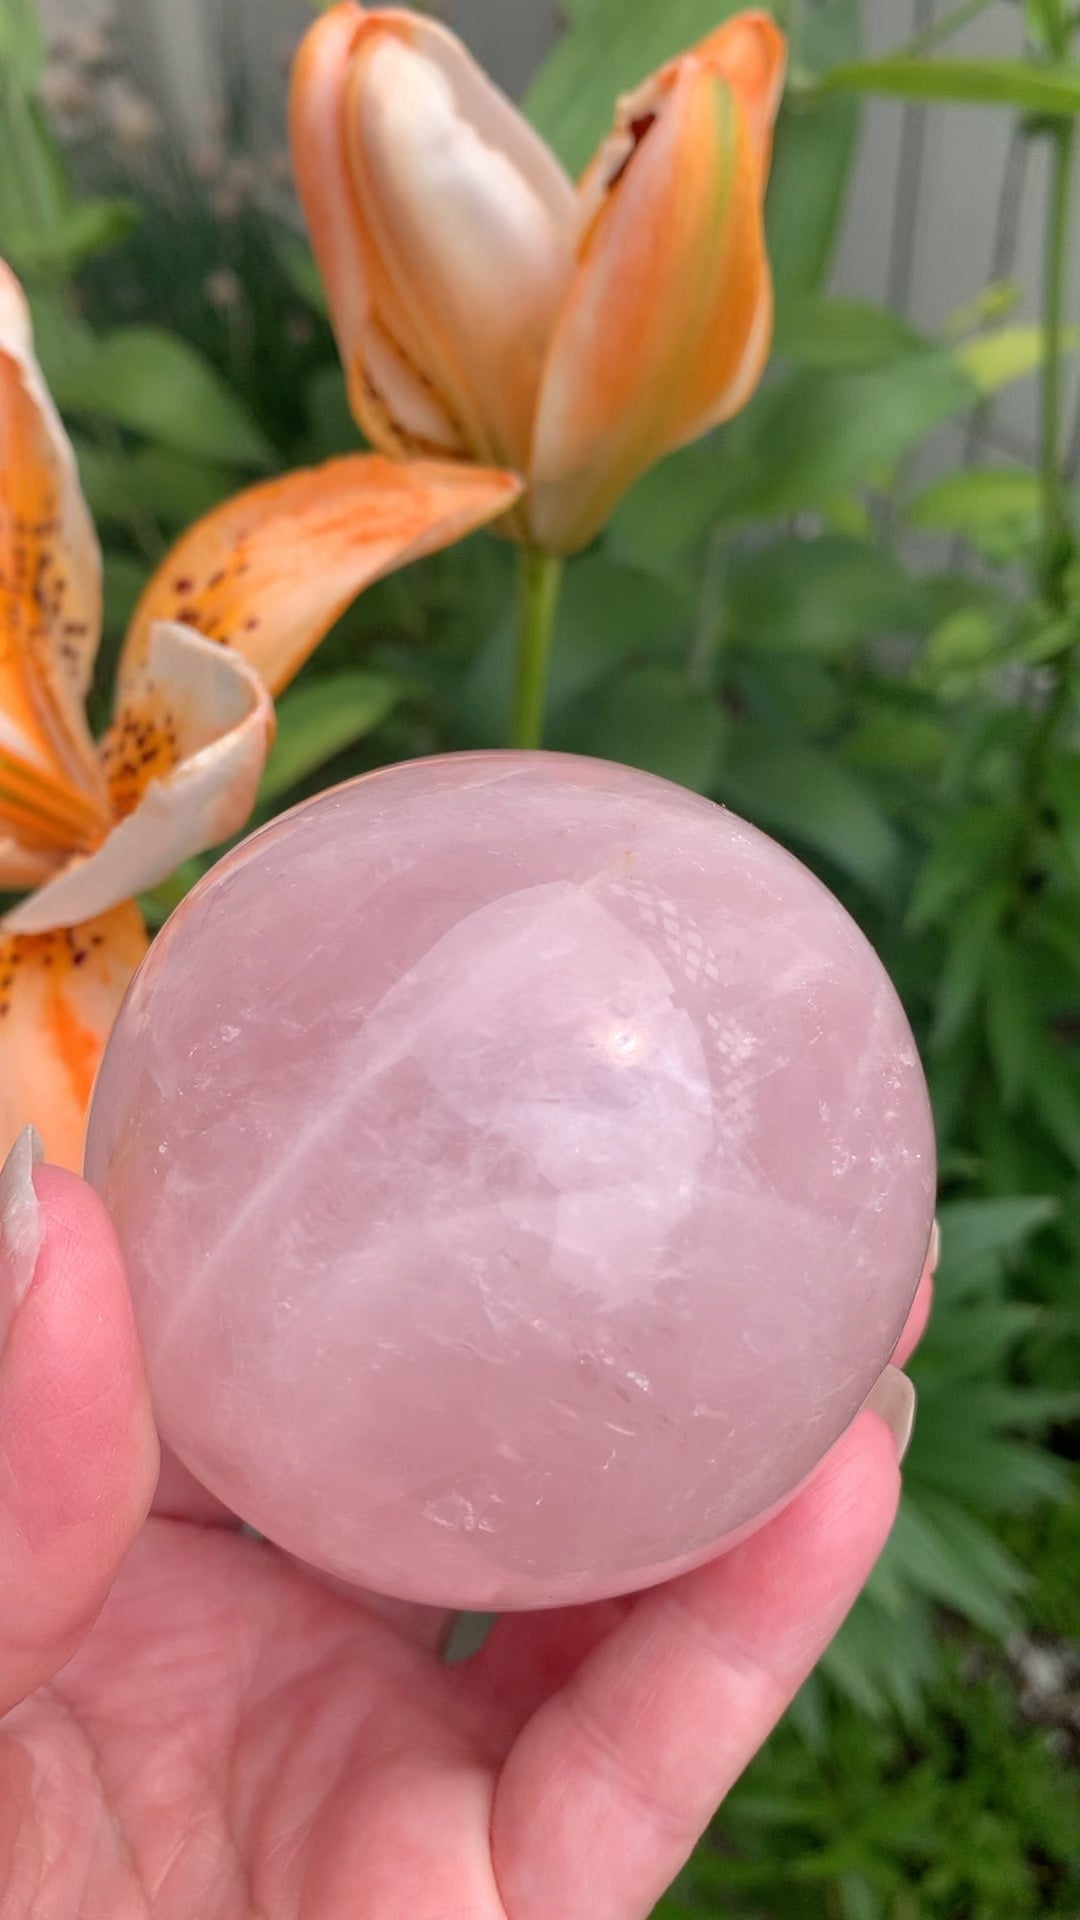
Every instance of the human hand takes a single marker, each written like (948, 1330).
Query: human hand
(195, 1729)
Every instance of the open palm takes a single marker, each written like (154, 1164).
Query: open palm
(211, 1734)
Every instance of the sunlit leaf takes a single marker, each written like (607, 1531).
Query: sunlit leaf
(996, 359)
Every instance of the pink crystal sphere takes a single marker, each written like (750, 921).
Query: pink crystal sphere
(524, 1168)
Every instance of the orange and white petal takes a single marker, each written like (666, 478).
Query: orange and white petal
(271, 570)
(50, 605)
(667, 327)
(444, 228)
(392, 399)
(59, 996)
(184, 759)
(750, 53)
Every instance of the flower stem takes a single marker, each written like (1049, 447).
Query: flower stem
(539, 579)
(1056, 532)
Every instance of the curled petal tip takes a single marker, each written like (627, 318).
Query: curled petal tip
(208, 723)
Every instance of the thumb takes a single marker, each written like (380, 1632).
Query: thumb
(78, 1452)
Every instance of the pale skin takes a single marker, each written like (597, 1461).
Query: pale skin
(196, 1730)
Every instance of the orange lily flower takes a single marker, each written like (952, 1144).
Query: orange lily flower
(485, 309)
(231, 615)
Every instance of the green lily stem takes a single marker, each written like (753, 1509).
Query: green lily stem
(1056, 531)
(539, 580)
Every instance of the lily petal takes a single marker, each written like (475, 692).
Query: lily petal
(444, 228)
(59, 996)
(184, 758)
(50, 607)
(668, 324)
(20, 868)
(750, 53)
(269, 571)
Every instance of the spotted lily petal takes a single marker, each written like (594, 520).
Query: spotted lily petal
(59, 996)
(51, 795)
(271, 570)
(667, 326)
(184, 758)
(444, 228)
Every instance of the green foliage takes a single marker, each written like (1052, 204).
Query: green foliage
(756, 623)
(993, 83)
(968, 1813)
(609, 49)
(320, 719)
(44, 229)
(150, 382)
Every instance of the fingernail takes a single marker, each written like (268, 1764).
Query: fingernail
(893, 1400)
(933, 1251)
(22, 1229)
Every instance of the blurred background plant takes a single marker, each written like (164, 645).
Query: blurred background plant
(854, 616)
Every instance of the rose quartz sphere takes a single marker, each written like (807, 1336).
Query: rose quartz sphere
(524, 1169)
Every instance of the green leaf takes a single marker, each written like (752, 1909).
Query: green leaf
(957, 653)
(890, 737)
(35, 196)
(819, 330)
(805, 439)
(976, 1231)
(967, 952)
(1011, 1027)
(1022, 84)
(1045, 25)
(812, 154)
(156, 384)
(65, 243)
(650, 718)
(609, 48)
(1054, 1090)
(949, 1556)
(167, 486)
(997, 359)
(997, 508)
(972, 847)
(609, 614)
(22, 43)
(320, 719)
(820, 596)
(805, 794)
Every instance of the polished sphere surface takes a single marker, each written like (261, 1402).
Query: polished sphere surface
(524, 1169)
